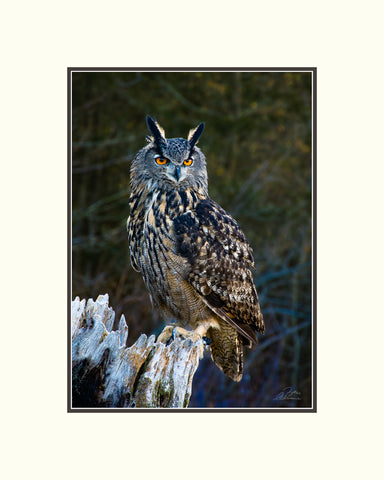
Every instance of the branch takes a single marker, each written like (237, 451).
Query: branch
(105, 373)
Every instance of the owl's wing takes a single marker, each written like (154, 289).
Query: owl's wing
(220, 259)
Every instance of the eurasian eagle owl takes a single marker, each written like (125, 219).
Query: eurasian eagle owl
(194, 258)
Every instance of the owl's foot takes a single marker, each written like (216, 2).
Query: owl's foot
(170, 333)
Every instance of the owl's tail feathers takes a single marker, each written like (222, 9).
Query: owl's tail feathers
(227, 350)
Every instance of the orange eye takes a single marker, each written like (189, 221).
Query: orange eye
(188, 162)
(161, 160)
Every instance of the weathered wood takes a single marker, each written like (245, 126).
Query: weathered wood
(105, 373)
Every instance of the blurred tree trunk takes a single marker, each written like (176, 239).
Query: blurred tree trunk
(236, 114)
(107, 374)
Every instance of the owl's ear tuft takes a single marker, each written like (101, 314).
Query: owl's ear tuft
(157, 132)
(195, 134)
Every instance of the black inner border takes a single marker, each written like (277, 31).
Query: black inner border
(314, 238)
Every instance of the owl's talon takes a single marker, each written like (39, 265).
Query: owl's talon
(169, 334)
(174, 331)
(172, 337)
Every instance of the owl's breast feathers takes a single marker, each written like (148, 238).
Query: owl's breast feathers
(204, 245)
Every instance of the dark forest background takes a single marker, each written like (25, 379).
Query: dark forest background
(257, 141)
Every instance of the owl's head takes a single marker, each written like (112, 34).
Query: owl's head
(173, 163)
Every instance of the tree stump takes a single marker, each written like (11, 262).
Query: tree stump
(105, 373)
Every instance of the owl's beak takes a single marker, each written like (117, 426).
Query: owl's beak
(176, 173)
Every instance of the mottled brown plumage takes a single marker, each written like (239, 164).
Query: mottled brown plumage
(194, 258)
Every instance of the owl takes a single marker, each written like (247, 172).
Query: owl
(194, 258)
